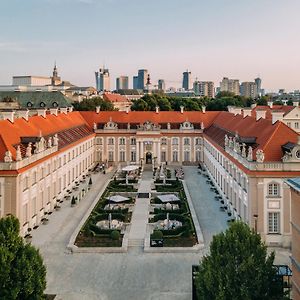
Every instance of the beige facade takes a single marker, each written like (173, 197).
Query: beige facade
(294, 183)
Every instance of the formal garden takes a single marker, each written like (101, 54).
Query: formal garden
(170, 216)
(106, 225)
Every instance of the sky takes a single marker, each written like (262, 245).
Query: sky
(233, 38)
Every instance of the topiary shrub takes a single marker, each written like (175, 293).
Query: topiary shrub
(157, 235)
(115, 235)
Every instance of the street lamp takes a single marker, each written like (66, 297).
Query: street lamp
(255, 216)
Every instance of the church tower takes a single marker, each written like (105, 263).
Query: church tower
(55, 79)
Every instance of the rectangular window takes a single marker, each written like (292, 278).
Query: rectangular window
(122, 155)
(198, 156)
(33, 205)
(296, 125)
(110, 156)
(186, 156)
(273, 189)
(175, 156)
(175, 141)
(273, 222)
(133, 156)
(163, 156)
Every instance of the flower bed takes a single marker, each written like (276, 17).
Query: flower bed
(92, 235)
(184, 236)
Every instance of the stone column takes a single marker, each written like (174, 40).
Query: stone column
(142, 150)
(158, 152)
(137, 150)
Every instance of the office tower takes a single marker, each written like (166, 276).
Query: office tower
(249, 90)
(187, 80)
(258, 85)
(230, 85)
(161, 84)
(204, 89)
(122, 83)
(142, 79)
(135, 82)
(102, 80)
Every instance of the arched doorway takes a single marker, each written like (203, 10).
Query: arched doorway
(148, 158)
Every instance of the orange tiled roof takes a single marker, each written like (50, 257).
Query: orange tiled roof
(269, 137)
(11, 133)
(283, 108)
(141, 117)
(114, 97)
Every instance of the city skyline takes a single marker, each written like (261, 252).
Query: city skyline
(235, 40)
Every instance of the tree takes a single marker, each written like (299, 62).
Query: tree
(237, 268)
(91, 104)
(22, 273)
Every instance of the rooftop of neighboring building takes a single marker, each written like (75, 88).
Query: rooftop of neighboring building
(112, 97)
(37, 99)
(294, 183)
(130, 92)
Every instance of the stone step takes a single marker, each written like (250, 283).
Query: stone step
(136, 243)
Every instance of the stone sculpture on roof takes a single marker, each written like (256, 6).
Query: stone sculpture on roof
(18, 154)
(260, 156)
(250, 154)
(8, 157)
(55, 140)
(28, 150)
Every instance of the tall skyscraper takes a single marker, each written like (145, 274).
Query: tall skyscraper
(249, 89)
(204, 89)
(187, 80)
(135, 82)
(161, 84)
(122, 83)
(230, 85)
(142, 79)
(258, 86)
(102, 80)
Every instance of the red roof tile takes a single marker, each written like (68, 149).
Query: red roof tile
(283, 108)
(114, 97)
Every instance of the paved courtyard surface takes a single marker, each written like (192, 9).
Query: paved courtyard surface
(132, 275)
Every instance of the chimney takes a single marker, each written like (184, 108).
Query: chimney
(181, 109)
(23, 114)
(295, 103)
(270, 104)
(97, 109)
(253, 105)
(41, 112)
(157, 109)
(237, 111)
(64, 110)
(231, 109)
(127, 109)
(247, 112)
(70, 108)
(260, 114)
(203, 109)
(8, 115)
(54, 111)
(277, 116)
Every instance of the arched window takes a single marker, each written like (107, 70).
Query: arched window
(29, 104)
(198, 141)
(175, 141)
(122, 141)
(54, 104)
(133, 141)
(111, 141)
(186, 141)
(273, 189)
(42, 104)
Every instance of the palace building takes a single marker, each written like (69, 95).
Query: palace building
(248, 160)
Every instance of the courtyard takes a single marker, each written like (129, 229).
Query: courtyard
(131, 275)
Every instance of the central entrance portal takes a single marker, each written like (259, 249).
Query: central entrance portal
(148, 158)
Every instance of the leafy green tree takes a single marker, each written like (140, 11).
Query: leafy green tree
(91, 104)
(164, 104)
(225, 94)
(22, 273)
(290, 102)
(139, 105)
(238, 267)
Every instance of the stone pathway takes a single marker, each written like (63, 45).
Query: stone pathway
(140, 214)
